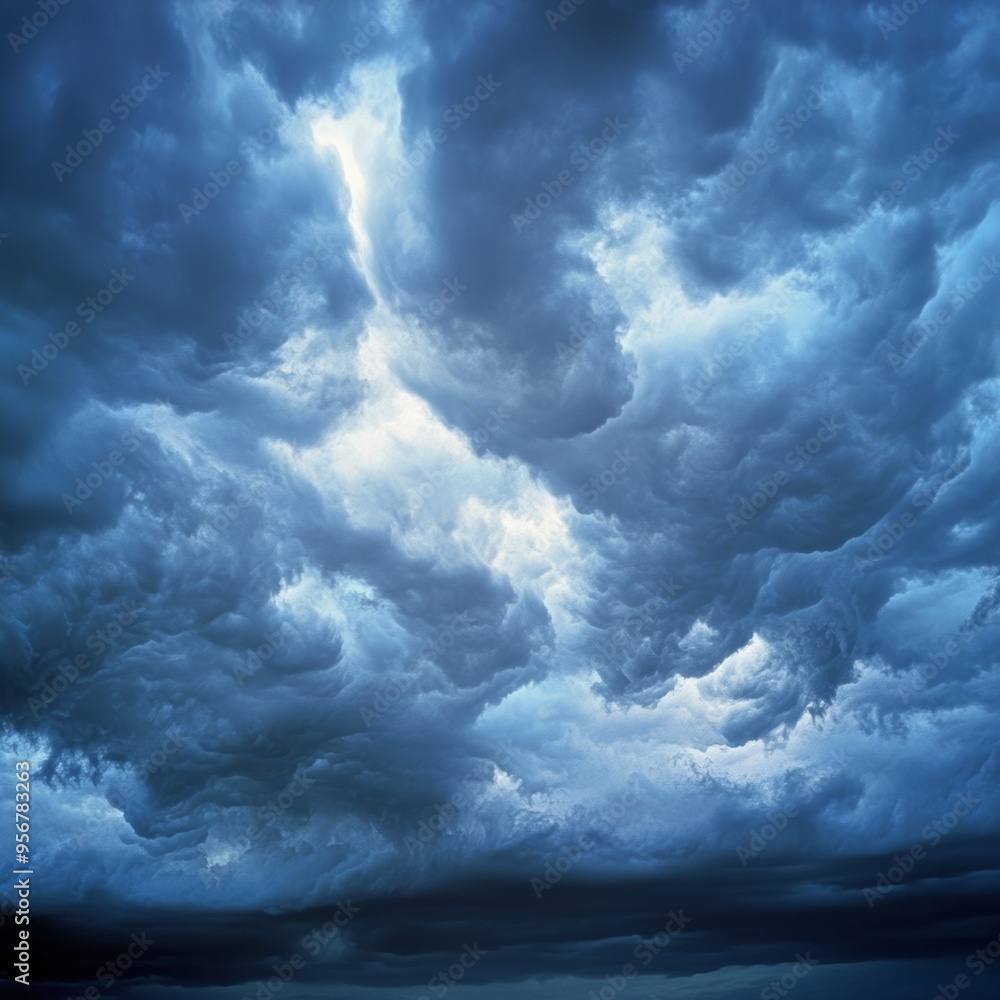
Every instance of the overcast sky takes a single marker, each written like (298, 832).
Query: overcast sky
(504, 489)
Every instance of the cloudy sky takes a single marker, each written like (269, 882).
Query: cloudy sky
(500, 500)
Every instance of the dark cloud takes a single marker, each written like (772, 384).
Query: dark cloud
(525, 471)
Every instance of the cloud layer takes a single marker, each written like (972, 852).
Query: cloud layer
(518, 473)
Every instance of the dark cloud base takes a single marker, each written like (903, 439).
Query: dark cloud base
(437, 436)
(583, 930)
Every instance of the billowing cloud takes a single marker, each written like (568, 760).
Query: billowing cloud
(499, 496)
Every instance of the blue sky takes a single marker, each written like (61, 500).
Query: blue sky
(486, 484)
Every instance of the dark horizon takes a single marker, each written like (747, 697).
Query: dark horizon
(499, 499)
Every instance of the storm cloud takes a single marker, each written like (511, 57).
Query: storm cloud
(496, 496)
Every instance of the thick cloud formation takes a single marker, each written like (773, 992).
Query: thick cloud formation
(498, 496)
